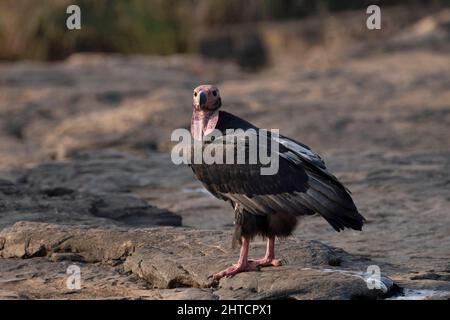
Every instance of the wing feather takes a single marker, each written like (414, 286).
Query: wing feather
(302, 185)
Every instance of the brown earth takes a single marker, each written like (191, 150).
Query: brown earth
(85, 149)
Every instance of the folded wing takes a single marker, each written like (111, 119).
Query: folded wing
(302, 185)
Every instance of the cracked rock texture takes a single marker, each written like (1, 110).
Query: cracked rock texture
(168, 258)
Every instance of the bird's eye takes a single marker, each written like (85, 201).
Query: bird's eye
(214, 93)
(195, 94)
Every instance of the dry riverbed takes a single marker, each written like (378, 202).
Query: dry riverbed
(86, 176)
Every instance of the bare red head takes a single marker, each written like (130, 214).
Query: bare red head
(206, 98)
(206, 103)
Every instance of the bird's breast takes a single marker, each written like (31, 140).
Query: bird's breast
(203, 123)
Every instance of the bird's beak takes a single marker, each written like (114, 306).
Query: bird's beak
(202, 98)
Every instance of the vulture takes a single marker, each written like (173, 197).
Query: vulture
(265, 204)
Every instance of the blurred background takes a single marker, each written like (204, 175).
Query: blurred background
(214, 28)
(89, 112)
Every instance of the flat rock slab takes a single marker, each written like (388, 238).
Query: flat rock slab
(62, 204)
(177, 263)
(38, 278)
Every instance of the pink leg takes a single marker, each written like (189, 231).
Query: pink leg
(269, 258)
(242, 265)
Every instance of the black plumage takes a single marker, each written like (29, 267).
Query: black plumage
(269, 205)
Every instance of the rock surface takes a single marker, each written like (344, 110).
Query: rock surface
(168, 258)
(71, 200)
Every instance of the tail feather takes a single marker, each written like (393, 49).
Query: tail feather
(334, 203)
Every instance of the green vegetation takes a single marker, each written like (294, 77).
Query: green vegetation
(36, 29)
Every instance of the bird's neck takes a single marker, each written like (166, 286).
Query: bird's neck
(203, 123)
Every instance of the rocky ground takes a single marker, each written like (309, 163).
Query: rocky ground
(86, 176)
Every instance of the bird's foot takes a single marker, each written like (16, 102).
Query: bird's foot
(267, 262)
(237, 268)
